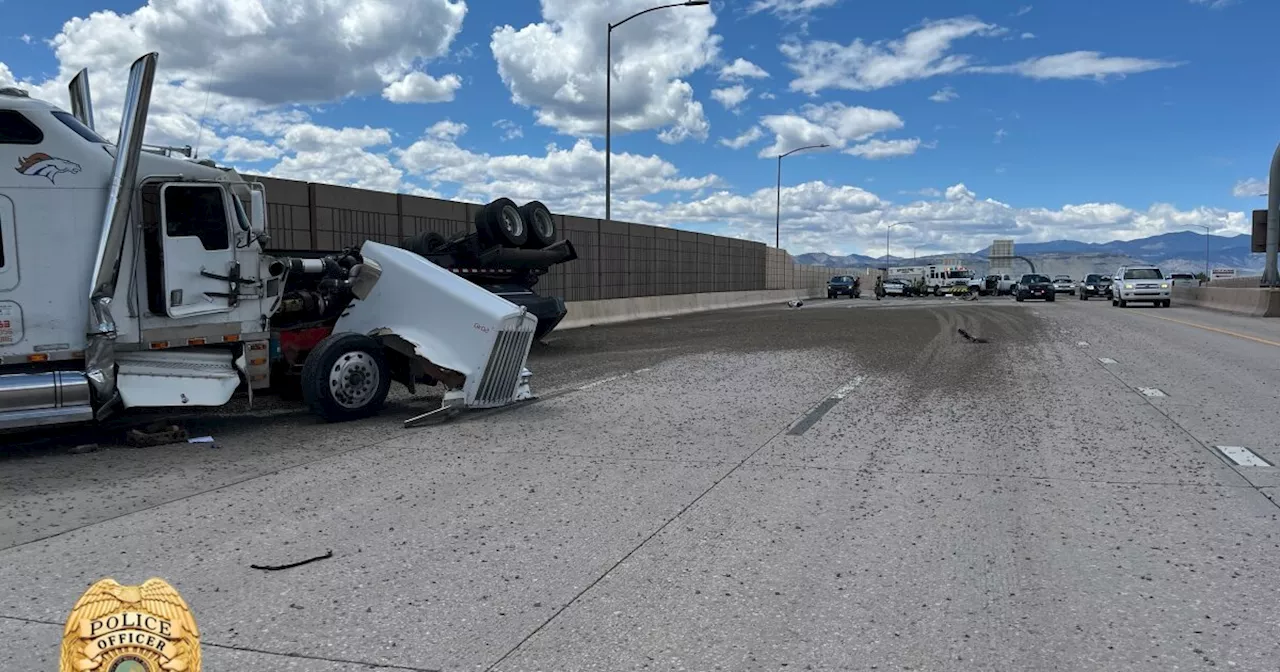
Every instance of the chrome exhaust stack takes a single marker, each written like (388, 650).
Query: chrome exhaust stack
(100, 365)
(81, 101)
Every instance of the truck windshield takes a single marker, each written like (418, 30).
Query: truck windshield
(955, 275)
(1143, 274)
(80, 129)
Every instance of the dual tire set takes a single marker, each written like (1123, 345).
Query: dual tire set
(501, 222)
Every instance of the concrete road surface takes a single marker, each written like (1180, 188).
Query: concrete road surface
(847, 486)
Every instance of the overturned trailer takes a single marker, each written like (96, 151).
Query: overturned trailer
(134, 279)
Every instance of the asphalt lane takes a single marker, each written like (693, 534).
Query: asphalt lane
(851, 485)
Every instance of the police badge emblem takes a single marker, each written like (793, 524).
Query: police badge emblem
(115, 628)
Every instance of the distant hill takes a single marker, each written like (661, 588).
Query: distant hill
(1182, 251)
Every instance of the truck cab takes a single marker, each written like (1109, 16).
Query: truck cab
(131, 278)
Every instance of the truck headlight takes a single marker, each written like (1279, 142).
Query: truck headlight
(1164, 286)
(1128, 286)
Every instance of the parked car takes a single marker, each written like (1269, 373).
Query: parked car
(1139, 283)
(1094, 285)
(1183, 280)
(1006, 285)
(1063, 283)
(1034, 286)
(845, 285)
(896, 288)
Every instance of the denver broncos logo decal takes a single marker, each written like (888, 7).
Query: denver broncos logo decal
(46, 166)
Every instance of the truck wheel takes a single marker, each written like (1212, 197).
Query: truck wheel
(500, 222)
(542, 226)
(425, 243)
(346, 377)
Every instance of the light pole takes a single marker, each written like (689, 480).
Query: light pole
(777, 223)
(608, 100)
(886, 242)
(1206, 250)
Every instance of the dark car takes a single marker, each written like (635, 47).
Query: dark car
(1095, 285)
(843, 284)
(1034, 286)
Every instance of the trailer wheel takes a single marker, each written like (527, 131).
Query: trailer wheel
(346, 377)
(500, 222)
(542, 226)
(425, 243)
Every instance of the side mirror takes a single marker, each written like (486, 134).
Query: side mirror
(257, 210)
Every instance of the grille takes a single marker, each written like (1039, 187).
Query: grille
(506, 361)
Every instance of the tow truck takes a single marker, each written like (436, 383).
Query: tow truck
(130, 278)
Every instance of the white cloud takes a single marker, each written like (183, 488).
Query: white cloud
(1079, 65)
(731, 97)
(789, 9)
(419, 87)
(555, 67)
(237, 149)
(510, 129)
(741, 69)
(1000, 136)
(569, 180)
(944, 95)
(749, 136)
(960, 193)
(228, 67)
(338, 156)
(765, 95)
(884, 149)
(859, 66)
(1025, 9)
(1250, 188)
(26, 39)
(446, 130)
(1214, 4)
(1028, 36)
(926, 52)
(6, 76)
(833, 124)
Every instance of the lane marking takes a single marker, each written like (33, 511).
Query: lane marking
(812, 417)
(1083, 344)
(610, 379)
(1242, 456)
(1214, 329)
(1106, 360)
(1152, 392)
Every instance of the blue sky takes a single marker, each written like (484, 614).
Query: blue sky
(1036, 121)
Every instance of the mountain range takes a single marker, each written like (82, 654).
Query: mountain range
(1182, 251)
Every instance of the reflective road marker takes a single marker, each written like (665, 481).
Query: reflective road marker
(1152, 392)
(1106, 360)
(1242, 456)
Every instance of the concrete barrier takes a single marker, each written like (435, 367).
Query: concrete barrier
(609, 311)
(1255, 301)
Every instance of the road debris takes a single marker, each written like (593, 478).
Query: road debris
(156, 434)
(276, 568)
(795, 303)
(971, 339)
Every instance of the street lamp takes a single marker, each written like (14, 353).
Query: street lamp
(777, 223)
(608, 100)
(886, 240)
(1206, 250)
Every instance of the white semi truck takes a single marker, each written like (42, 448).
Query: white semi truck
(134, 279)
(938, 279)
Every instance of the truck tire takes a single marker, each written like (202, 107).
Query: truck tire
(500, 222)
(346, 378)
(425, 243)
(541, 225)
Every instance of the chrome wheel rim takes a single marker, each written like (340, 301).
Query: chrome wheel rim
(512, 222)
(543, 225)
(354, 379)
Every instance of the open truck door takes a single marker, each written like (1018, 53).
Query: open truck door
(199, 249)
